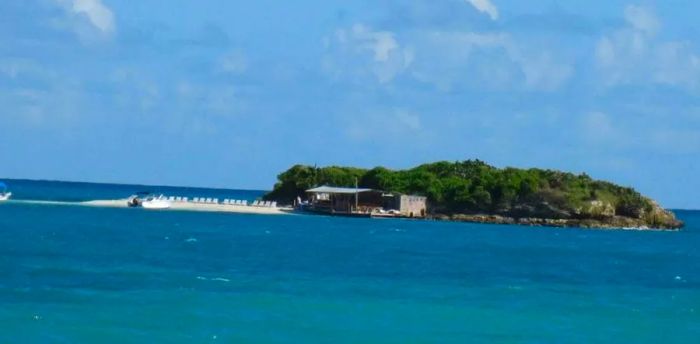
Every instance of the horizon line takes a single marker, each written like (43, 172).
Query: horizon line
(130, 184)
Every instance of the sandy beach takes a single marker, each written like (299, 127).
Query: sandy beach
(191, 206)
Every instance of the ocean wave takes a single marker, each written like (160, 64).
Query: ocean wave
(216, 279)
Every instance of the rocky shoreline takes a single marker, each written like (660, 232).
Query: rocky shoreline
(615, 222)
(595, 215)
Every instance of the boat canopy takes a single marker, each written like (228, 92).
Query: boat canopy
(3, 186)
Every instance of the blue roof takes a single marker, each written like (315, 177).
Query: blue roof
(3, 185)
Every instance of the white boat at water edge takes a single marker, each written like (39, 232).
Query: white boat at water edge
(4, 194)
(148, 201)
(156, 203)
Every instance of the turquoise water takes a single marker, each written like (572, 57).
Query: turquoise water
(79, 274)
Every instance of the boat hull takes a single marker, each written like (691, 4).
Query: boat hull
(157, 204)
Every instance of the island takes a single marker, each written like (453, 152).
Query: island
(474, 191)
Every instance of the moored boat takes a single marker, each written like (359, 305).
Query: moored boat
(4, 194)
(159, 202)
(148, 200)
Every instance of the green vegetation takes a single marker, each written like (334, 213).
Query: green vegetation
(474, 187)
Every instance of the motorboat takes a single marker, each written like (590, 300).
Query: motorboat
(4, 194)
(148, 200)
(160, 202)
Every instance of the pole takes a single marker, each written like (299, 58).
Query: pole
(356, 195)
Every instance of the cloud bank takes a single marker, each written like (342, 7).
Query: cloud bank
(360, 49)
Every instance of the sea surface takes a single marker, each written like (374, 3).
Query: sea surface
(76, 274)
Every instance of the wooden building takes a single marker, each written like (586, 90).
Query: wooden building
(364, 202)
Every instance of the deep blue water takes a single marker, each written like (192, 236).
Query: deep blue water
(81, 274)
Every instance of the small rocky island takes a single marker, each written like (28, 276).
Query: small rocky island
(474, 191)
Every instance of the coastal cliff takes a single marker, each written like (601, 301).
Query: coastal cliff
(477, 192)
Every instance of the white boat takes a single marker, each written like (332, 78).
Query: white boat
(147, 200)
(152, 202)
(4, 194)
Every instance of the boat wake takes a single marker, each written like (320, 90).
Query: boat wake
(42, 202)
(98, 203)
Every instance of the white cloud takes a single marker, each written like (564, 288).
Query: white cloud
(486, 61)
(14, 68)
(542, 71)
(99, 15)
(409, 120)
(447, 60)
(136, 90)
(634, 54)
(642, 19)
(597, 126)
(361, 50)
(382, 43)
(225, 101)
(605, 52)
(485, 6)
(390, 124)
(677, 141)
(234, 63)
(637, 129)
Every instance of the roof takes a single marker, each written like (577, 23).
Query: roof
(337, 190)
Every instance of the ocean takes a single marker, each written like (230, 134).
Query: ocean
(75, 274)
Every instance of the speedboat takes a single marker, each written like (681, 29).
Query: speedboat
(153, 202)
(4, 194)
(148, 200)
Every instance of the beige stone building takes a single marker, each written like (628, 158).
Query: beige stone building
(411, 206)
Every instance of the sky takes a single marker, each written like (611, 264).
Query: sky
(224, 93)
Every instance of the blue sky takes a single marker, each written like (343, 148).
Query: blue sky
(230, 93)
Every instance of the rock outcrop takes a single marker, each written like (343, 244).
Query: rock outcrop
(597, 215)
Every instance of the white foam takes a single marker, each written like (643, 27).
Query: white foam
(44, 202)
(217, 279)
(97, 203)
